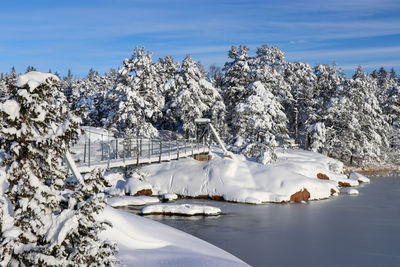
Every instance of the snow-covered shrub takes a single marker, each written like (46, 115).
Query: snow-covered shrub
(36, 130)
(317, 133)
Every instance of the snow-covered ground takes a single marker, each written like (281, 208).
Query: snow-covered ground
(242, 180)
(143, 242)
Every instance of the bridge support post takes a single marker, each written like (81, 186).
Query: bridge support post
(102, 148)
(116, 148)
(177, 149)
(160, 152)
(149, 145)
(109, 150)
(137, 152)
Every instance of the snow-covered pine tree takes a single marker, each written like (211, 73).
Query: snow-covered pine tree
(329, 84)
(36, 130)
(301, 80)
(83, 245)
(239, 75)
(196, 98)
(66, 85)
(259, 123)
(135, 101)
(358, 128)
(168, 71)
(91, 94)
(272, 56)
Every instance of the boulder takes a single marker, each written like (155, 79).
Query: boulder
(144, 192)
(322, 176)
(300, 196)
(344, 184)
(333, 191)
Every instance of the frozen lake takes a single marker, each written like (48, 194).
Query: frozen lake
(361, 230)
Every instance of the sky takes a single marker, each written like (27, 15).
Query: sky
(79, 35)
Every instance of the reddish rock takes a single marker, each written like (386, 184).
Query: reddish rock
(144, 192)
(215, 197)
(218, 198)
(344, 184)
(322, 176)
(302, 195)
(201, 197)
(333, 191)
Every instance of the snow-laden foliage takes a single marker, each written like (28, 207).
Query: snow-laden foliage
(195, 97)
(146, 96)
(38, 216)
(135, 101)
(90, 93)
(260, 120)
(301, 80)
(358, 129)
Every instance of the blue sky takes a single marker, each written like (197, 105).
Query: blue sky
(59, 35)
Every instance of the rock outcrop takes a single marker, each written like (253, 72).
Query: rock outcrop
(144, 192)
(322, 176)
(300, 196)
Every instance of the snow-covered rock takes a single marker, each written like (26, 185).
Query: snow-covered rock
(130, 200)
(359, 177)
(133, 186)
(352, 191)
(169, 197)
(180, 209)
(34, 79)
(241, 180)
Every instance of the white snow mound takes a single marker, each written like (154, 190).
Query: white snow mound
(129, 200)
(34, 79)
(241, 180)
(181, 209)
(352, 191)
(359, 177)
(143, 242)
(169, 196)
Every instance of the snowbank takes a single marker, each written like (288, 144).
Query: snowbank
(180, 209)
(352, 191)
(129, 200)
(34, 78)
(241, 180)
(169, 197)
(359, 177)
(143, 242)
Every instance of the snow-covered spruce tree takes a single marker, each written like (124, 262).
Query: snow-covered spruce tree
(35, 132)
(301, 80)
(90, 96)
(82, 244)
(239, 75)
(196, 98)
(357, 129)
(259, 123)
(329, 84)
(168, 71)
(135, 101)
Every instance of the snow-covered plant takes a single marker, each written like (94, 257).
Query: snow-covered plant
(239, 75)
(82, 244)
(195, 98)
(261, 122)
(135, 101)
(260, 117)
(301, 80)
(317, 136)
(36, 130)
